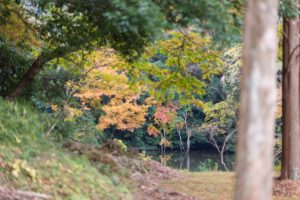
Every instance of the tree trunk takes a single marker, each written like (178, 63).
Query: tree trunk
(27, 78)
(188, 161)
(35, 69)
(188, 143)
(291, 100)
(257, 107)
(180, 139)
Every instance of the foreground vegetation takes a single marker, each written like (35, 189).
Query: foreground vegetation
(31, 162)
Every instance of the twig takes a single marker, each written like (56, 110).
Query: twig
(19, 194)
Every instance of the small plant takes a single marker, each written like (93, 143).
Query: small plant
(143, 156)
(208, 165)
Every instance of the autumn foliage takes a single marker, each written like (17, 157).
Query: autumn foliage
(109, 90)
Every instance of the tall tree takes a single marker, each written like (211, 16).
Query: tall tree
(291, 99)
(257, 109)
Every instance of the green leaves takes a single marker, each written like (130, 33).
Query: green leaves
(177, 68)
(289, 8)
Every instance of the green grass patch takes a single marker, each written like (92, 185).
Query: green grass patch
(29, 161)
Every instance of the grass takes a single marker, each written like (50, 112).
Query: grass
(205, 185)
(208, 185)
(29, 161)
(56, 173)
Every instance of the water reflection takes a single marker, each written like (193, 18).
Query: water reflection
(194, 161)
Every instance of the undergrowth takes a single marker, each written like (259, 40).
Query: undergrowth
(32, 162)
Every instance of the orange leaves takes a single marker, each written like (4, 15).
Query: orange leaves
(152, 130)
(109, 89)
(54, 107)
(126, 116)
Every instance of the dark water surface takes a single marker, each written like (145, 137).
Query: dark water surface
(196, 161)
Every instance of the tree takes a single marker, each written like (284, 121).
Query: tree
(103, 87)
(220, 122)
(257, 109)
(221, 114)
(291, 99)
(164, 122)
(177, 69)
(65, 26)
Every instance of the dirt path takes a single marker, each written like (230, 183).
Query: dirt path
(151, 185)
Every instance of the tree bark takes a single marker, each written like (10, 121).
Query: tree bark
(254, 165)
(27, 78)
(291, 100)
(35, 68)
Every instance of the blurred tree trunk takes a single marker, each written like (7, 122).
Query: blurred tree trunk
(291, 100)
(35, 68)
(27, 78)
(257, 107)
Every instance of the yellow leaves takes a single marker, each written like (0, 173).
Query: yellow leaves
(108, 88)
(143, 156)
(150, 101)
(21, 166)
(72, 113)
(165, 142)
(18, 139)
(54, 107)
(121, 144)
(198, 103)
(18, 29)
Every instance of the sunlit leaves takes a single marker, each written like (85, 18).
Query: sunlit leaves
(71, 113)
(16, 26)
(125, 116)
(177, 68)
(104, 87)
(21, 166)
(152, 130)
(164, 121)
(164, 114)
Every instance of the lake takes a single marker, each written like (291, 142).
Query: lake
(196, 161)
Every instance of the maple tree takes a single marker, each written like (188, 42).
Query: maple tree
(108, 89)
(164, 122)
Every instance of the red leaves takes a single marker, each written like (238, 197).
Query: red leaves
(165, 114)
